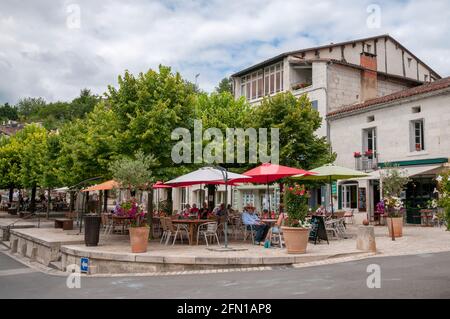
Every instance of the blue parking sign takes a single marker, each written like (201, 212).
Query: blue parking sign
(84, 265)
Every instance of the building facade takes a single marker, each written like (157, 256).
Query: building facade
(410, 128)
(335, 75)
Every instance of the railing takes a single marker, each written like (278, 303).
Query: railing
(366, 163)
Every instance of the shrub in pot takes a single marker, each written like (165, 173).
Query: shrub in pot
(296, 231)
(139, 231)
(394, 181)
(394, 207)
(443, 203)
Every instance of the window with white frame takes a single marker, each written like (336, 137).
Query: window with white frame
(349, 196)
(370, 140)
(184, 197)
(263, 82)
(417, 136)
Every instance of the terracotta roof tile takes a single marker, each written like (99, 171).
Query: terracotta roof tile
(425, 88)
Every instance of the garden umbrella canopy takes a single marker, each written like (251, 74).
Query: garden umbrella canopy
(207, 175)
(330, 171)
(160, 184)
(108, 185)
(268, 172)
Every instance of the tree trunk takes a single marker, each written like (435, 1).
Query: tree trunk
(211, 196)
(72, 202)
(100, 202)
(150, 210)
(49, 200)
(33, 199)
(169, 200)
(11, 194)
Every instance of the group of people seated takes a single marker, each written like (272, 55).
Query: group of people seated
(250, 219)
(205, 212)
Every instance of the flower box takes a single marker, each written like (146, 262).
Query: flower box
(356, 154)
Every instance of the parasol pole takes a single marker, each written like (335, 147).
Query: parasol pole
(331, 197)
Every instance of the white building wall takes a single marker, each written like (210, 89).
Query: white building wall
(344, 86)
(393, 131)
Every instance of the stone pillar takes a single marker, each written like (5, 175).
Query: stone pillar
(365, 239)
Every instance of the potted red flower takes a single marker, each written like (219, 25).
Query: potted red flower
(139, 231)
(356, 154)
(297, 230)
(369, 154)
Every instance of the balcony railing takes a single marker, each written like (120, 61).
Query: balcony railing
(366, 163)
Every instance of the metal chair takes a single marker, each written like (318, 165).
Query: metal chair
(209, 229)
(248, 229)
(172, 231)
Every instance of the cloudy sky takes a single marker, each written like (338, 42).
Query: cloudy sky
(54, 48)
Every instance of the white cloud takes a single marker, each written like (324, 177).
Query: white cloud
(41, 56)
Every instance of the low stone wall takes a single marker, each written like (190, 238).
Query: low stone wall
(119, 263)
(34, 248)
(6, 230)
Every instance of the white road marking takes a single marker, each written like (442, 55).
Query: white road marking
(19, 271)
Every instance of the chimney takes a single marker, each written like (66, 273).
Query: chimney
(369, 84)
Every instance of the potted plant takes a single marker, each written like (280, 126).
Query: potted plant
(296, 232)
(369, 154)
(134, 174)
(356, 154)
(443, 203)
(394, 181)
(394, 208)
(139, 231)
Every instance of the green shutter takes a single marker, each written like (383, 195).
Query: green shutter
(339, 197)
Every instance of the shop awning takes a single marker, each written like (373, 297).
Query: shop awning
(411, 171)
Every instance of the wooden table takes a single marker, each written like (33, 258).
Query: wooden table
(269, 221)
(64, 223)
(193, 225)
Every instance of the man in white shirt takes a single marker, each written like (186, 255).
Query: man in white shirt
(251, 220)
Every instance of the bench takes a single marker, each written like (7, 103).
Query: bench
(64, 223)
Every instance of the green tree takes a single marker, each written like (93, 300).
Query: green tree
(30, 106)
(297, 122)
(225, 85)
(149, 107)
(136, 174)
(8, 112)
(87, 146)
(33, 152)
(10, 162)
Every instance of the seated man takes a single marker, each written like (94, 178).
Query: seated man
(250, 218)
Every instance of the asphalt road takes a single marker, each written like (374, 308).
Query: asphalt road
(418, 276)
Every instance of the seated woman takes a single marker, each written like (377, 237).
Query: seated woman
(203, 212)
(276, 229)
(194, 210)
(187, 209)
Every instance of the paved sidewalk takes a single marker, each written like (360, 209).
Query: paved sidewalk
(415, 240)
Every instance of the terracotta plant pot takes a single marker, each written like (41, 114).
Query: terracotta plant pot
(397, 222)
(296, 239)
(139, 239)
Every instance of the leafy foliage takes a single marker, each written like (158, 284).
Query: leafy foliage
(224, 86)
(297, 122)
(444, 195)
(133, 173)
(296, 205)
(8, 112)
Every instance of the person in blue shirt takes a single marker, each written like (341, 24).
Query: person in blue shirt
(251, 220)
